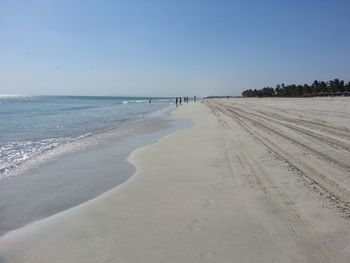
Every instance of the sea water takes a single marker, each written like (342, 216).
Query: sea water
(34, 129)
(57, 152)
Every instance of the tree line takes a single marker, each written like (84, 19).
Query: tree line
(334, 87)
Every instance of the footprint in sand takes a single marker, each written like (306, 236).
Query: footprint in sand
(196, 225)
(207, 202)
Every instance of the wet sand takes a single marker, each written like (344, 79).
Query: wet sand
(251, 181)
(75, 177)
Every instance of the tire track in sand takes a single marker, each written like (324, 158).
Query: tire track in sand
(331, 129)
(298, 228)
(327, 188)
(256, 121)
(334, 143)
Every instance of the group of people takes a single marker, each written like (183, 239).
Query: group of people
(179, 100)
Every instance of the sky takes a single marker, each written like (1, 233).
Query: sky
(170, 48)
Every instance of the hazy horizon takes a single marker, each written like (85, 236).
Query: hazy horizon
(65, 95)
(167, 49)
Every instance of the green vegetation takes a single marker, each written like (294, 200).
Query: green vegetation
(334, 87)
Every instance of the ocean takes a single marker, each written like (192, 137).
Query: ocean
(57, 152)
(34, 129)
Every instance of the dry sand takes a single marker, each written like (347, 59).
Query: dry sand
(252, 181)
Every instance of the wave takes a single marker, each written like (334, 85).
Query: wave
(147, 101)
(11, 95)
(134, 101)
(13, 154)
(16, 157)
(35, 131)
(19, 156)
(7, 97)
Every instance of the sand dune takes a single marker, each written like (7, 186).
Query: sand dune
(252, 181)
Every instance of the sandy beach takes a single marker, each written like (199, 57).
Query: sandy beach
(253, 180)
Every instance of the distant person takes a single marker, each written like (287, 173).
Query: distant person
(194, 98)
(150, 100)
(180, 100)
(177, 101)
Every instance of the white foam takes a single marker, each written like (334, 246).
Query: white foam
(5, 96)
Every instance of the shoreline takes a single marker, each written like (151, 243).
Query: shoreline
(209, 193)
(30, 136)
(74, 177)
(62, 146)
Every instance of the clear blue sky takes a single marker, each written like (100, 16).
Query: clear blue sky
(170, 48)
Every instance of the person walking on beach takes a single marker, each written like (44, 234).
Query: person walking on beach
(194, 98)
(180, 100)
(150, 100)
(177, 101)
